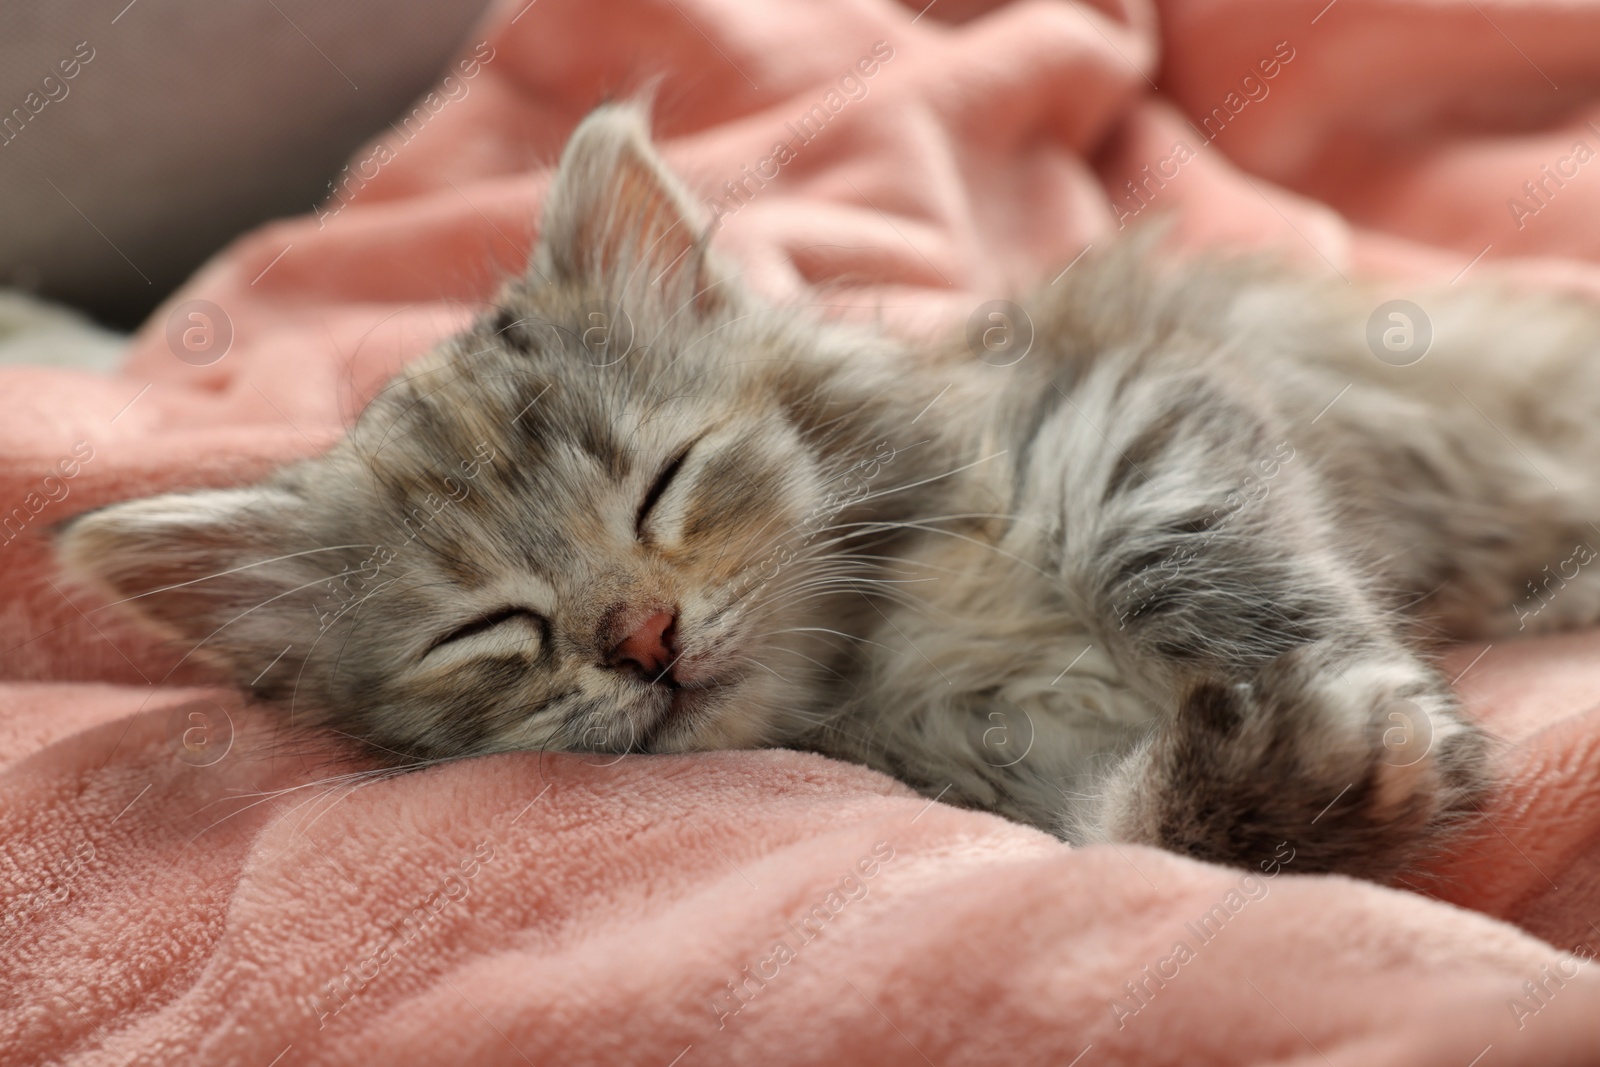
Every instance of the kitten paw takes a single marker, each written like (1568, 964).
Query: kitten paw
(1362, 764)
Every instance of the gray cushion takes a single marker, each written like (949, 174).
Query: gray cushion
(135, 141)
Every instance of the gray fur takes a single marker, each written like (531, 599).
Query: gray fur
(1145, 584)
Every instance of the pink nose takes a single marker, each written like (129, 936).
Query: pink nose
(648, 647)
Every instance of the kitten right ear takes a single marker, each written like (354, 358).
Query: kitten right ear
(184, 563)
(617, 219)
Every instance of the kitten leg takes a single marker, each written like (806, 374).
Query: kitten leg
(1198, 536)
(1481, 507)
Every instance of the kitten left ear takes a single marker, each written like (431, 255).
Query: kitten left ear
(618, 219)
(184, 563)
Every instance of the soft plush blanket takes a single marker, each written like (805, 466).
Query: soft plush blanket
(178, 885)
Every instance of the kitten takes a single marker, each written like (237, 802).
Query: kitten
(1166, 577)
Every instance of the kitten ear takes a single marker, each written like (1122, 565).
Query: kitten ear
(182, 563)
(617, 218)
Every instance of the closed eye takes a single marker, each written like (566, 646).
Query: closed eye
(664, 479)
(485, 623)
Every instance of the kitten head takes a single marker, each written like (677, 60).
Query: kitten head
(595, 520)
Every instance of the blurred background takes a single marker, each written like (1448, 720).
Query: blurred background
(138, 138)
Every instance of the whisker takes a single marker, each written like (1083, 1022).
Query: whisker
(935, 478)
(234, 570)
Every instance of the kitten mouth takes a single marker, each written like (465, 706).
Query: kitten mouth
(684, 708)
(686, 701)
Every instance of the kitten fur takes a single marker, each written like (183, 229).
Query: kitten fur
(1171, 576)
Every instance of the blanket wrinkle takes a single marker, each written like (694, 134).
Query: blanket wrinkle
(207, 890)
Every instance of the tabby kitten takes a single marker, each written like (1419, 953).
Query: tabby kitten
(1164, 578)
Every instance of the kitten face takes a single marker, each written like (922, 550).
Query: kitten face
(593, 521)
(583, 568)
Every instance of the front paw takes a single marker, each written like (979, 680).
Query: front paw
(1362, 764)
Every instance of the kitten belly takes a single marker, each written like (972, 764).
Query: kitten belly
(991, 690)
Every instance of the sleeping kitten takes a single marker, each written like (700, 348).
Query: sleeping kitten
(1162, 578)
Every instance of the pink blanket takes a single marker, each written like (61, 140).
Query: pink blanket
(177, 886)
